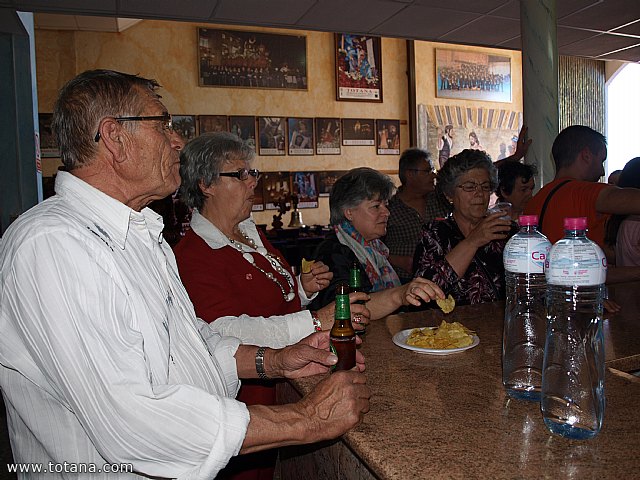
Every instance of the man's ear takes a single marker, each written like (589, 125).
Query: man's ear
(113, 137)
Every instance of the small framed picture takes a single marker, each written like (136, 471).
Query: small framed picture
(271, 136)
(258, 197)
(358, 131)
(276, 189)
(244, 126)
(326, 181)
(300, 131)
(212, 123)
(306, 188)
(185, 126)
(388, 137)
(328, 136)
(48, 143)
(358, 68)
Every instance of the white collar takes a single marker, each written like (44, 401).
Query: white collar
(115, 216)
(215, 238)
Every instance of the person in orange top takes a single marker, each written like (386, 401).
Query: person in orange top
(579, 153)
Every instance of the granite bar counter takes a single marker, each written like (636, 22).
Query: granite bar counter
(449, 416)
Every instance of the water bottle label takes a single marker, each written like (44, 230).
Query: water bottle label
(580, 264)
(526, 254)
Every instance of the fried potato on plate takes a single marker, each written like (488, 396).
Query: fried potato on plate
(444, 337)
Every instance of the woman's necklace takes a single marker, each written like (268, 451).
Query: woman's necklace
(273, 260)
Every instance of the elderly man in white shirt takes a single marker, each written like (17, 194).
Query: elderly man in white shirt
(102, 359)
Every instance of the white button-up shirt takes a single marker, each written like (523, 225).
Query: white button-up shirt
(102, 357)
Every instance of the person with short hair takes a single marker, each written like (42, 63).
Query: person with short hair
(409, 209)
(102, 359)
(515, 185)
(359, 215)
(463, 252)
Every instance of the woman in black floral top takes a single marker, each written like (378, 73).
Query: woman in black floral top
(463, 253)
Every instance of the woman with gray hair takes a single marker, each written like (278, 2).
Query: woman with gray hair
(359, 214)
(229, 268)
(463, 252)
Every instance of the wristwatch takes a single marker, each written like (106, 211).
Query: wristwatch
(260, 363)
(317, 324)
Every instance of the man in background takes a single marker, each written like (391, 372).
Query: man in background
(409, 209)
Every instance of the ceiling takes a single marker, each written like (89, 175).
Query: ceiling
(598, 29)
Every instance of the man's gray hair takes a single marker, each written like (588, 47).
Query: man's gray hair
(459, 164)
(202, 160)
(88, 98)
(356, 186)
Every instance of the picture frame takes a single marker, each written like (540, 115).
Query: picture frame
(244, 126)
(328, 136)
(388, 137)
(48, 143)
(247, 59)
(276, 187)
(258, 197)
(300, 136)
(358, 131)
(358, 68)
(272, 136)
(212, 123)
(473, 75)
(326, 180)
(306, 188)
(185, 126)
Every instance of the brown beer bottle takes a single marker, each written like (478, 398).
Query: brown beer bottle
(342, 335)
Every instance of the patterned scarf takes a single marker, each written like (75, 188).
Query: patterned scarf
(373, 255)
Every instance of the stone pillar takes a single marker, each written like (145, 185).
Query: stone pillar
(540, 82)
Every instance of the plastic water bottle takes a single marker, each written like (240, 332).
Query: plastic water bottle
(525, 315)
(573, 372)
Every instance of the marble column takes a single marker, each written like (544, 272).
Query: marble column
(540, 82)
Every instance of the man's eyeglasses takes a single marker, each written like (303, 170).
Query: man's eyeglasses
(242, 174)
(165, 118)
(473, 187)
(427, 170)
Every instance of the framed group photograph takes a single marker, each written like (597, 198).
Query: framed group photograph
(358, 131)
(300, 131)
(185, 126)
(245, 59)
(271, 136)
(358, 67)
(212, 123)
(244, 126)
(328, 136)
(388, 137)
(258, 197)
(473, 75)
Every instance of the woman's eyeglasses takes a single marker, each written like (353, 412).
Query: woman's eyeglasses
(165, 118)
(242, 174)
(473, 187)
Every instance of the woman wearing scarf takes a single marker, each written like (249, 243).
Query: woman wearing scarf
(359, 214)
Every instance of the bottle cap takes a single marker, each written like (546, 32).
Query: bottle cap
(575, 223)
(528, 220)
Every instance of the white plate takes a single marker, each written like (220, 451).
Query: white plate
(400, 339)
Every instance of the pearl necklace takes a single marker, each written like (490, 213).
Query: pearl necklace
(273, 260)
